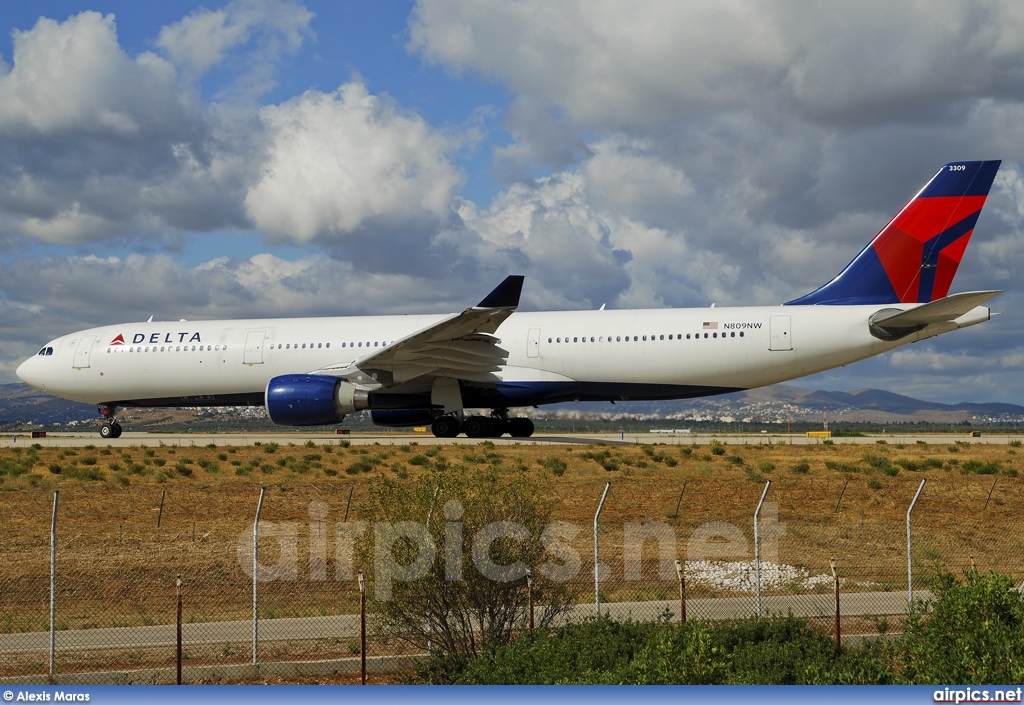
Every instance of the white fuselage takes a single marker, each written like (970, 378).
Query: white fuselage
(606, 354)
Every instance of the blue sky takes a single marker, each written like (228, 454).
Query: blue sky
(272, 158)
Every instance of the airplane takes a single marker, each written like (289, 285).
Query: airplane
(429, 369)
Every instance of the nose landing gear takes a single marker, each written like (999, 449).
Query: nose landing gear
(110, 428)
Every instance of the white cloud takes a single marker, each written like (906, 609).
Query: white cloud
(335, 161)
(610, 64)
(205, 38)
(73, 77)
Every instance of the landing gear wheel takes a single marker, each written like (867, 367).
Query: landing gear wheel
(117, 430)
(478, 427)
(520, 428)
(107, 431)
(445, 427)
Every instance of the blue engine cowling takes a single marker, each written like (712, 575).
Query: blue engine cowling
(401, 417)
(312, 400)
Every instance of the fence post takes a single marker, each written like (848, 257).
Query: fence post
(53, 583)
(835, 579)
(529, 594)
(256, 578)
(757, 547)
(680, 500)
(681, 573)
(910, 568)
(178, 587)
(362, 629)
(990, 494)
(597, 565)
(160, 514)
(841, 493)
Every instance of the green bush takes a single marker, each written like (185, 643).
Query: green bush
(971, 634)
(556, 465)
(601, 651)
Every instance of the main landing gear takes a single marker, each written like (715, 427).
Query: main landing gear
(494, 426)
(110, 428)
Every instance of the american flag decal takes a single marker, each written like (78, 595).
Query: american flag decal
(710, 325)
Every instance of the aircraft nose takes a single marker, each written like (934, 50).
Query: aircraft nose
(27, 372)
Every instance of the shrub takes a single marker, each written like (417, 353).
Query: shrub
(801, 468)
(556, 465)
(469, 616)
(980, 468)
(270, 447)
(972, 634)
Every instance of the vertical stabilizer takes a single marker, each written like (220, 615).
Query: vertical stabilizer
(914, 257)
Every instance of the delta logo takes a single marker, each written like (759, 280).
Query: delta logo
(187, 337)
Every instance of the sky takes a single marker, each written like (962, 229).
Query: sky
(266, 158)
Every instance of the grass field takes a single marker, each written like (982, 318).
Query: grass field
(111, 550)
(116, 566)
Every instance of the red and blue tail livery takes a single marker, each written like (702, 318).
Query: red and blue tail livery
(914, 258)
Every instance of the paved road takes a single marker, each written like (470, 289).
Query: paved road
(347, 626)
(130, 439)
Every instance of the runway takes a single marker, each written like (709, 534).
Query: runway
(136, 439)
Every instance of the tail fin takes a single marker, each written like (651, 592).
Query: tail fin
(914, 257)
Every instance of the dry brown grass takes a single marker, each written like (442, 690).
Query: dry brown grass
(117, 568)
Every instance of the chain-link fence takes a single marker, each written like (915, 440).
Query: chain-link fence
(116, 556)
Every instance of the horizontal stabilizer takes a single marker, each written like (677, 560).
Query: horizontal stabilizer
(892, 323)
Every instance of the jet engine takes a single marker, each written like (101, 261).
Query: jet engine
(312, 400)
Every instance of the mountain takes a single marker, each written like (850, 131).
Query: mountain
(21, 404)
(781, 403)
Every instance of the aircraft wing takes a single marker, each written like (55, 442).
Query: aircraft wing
(891, 324)
(459, 346)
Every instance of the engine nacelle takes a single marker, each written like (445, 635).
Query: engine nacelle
(312, 400)
(397, 418)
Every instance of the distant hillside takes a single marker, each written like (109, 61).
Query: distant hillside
(782, 402)
(20, 404)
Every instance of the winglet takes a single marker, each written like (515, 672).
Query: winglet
(505, 295)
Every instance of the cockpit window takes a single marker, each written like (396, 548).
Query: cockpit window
(46, 351)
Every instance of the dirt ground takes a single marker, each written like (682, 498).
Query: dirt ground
(140, 516)
(131, 520)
